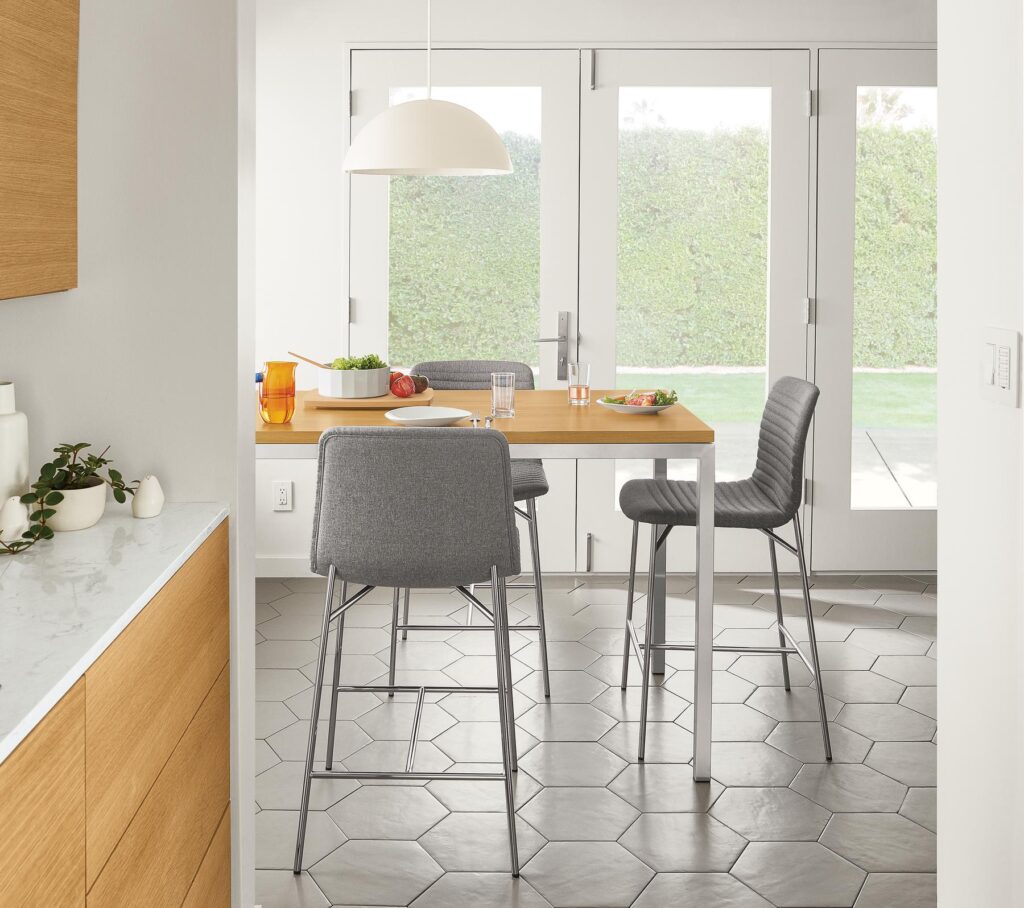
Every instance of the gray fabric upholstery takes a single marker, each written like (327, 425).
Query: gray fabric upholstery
(402, 507)
(768, 499)
(528, 477)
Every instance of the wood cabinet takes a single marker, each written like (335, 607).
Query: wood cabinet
(38, 146)
(120, 796)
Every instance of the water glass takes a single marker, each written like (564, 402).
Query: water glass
(579, 384)
(503, 394)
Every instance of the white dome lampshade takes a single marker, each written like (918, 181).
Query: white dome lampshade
(428, 138)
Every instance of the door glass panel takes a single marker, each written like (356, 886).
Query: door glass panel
(693, 250)
(894, 279)
(464, 263)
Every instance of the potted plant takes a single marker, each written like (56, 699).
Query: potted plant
(359, 376)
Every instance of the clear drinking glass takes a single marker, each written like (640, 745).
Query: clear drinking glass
(579, 384)
(503, 394)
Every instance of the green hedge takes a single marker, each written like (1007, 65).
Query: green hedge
(693, 244)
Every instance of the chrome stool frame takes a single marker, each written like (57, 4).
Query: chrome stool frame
(787, 642)
(498, 619)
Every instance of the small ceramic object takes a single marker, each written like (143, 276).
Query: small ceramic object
(13, 445)
(80, 509)
(353, 382)
(149, 498)
(13, 519)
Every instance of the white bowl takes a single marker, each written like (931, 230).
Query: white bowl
(353, 382)
(427, 416)
(635, 411)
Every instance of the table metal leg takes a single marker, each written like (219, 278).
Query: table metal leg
(704, 634)
(657, 594)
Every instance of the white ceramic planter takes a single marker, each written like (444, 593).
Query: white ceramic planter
(353, 382)
(80, 509)
(13, 445)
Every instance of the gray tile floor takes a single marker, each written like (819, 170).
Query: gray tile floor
(777, 826)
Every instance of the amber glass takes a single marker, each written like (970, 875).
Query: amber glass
(277, 392)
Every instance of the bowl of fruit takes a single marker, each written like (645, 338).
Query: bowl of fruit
(640, 403)
(355, 376)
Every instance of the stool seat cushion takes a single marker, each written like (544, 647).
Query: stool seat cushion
(528, 480)
(743, 504)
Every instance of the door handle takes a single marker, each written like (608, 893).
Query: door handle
(563, 345)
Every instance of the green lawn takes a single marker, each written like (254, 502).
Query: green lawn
(881, 400)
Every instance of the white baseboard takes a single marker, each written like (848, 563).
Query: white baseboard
(277, 566)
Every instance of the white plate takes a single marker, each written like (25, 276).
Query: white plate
(635, 411)
(426, 416)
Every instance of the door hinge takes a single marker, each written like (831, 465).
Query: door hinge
(808, 490)
(590, 552)
(810, 310)
(810, 102)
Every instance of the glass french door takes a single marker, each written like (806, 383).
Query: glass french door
(475, 268)
(694, 259)
(874, 486)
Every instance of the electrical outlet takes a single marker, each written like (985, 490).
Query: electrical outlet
(281, 493)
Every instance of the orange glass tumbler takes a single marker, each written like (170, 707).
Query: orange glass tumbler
(276, 392)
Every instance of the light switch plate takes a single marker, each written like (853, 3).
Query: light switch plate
(1000, 366)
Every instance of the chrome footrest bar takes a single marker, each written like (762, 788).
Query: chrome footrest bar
(780, 541)
(412, 776)
(798, 651)
(352, 600)
(413, 689)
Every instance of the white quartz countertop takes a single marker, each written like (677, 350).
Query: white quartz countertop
(62, 603)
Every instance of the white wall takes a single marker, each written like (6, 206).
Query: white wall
(981, 543)
(142, 356)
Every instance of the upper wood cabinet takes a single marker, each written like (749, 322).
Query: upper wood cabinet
(38, 146)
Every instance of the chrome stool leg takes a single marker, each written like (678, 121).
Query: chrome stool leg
(812, 637)
(778, 610)
(648, 634)
(405, 614)
(336, 677)
(394, 640)
(504, 658)
(506, 717)
(531, 509)
(629, 604)
(300, 839)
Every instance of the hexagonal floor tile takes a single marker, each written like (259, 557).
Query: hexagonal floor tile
(284, 653)
(587, 874)
(275, 838)
(796, 874)
(767, 670)
(265, 756)
(609, 670)
(887, 642)
(921, 625)
(750, 764)
(480, 890)
(269, 590)
(803, 741)
(797, 705)
(907, 890)
(849, 787)
(566, 687)
(392, 721)
(292, 627)
(479, 742)
(271, 717)
(725, 686)
(279, 788)
(390, 756)
(478, 842)
(563, 655)
(423, 654)
(919, 806)
(881, 842)
(572, 763)
(283, 889)
(922, 700)
(485, 796)
(579, 814)
(565, 722)
(292, 742)
(733, 722)
(683, 842)
(664, 788)
(861, 687)
(474, 671)
(909, 762)
(666, 742)
(886, 722)
(916, 670)
(482, 707)
(376, 873)
(279, 683)
(841, 656)
(698, 890)
(770, 814)
(624, 705)
(356, 668)
(350, 705)
(381, 812)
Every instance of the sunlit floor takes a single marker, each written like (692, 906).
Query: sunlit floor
(777, 826)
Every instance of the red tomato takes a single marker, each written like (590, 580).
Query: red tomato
(403, 386)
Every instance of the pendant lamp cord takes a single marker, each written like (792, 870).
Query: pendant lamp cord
(429, 86)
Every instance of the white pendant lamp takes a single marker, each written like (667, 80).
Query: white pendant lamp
(428, 138)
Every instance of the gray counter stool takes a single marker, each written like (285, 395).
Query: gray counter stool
(448, 523)
(767, 501)
(529, 481)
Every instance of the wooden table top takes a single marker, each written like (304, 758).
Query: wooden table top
(542, 417)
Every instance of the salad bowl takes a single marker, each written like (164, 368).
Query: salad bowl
(639, 403)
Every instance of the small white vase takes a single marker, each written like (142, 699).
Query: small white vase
(13, 519)
(80, 509)
(148, 500)
(13, 445)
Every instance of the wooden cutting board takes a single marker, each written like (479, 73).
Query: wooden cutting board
(313, 401)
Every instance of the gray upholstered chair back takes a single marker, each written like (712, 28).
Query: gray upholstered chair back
(780, 446)
(402, 507)
(472, 374)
